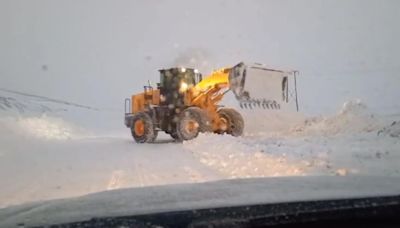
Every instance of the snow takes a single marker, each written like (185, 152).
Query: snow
(62, 132)
(392, 130)
(43, 127)
(67, 151)
(225, 193)
(342, 144)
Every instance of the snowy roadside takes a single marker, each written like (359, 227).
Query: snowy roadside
(351, 142)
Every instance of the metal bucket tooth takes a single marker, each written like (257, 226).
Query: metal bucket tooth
(261, 104)
(258, 103)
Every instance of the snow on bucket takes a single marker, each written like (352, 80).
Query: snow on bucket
(266, 97)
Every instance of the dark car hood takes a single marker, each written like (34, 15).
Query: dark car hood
(226, 193)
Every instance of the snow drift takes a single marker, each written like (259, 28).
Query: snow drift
(354, 117)
(43, 127)
(59, 151)
(291, 144)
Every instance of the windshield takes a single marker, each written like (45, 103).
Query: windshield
(319, 96)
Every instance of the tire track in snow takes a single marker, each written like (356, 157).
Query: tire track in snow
(194, 175)
(115, 181)
(234, 159)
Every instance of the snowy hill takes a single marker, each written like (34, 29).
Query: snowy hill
(47, 114)
(24, 103)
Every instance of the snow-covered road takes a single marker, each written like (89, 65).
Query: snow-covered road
(31, 171)
(56, 156)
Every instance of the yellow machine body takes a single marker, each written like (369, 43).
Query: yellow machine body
(206, 95)
(184, 103)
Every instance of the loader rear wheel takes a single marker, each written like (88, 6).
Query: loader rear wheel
(191, 122)
(142, 128)
(233, 120)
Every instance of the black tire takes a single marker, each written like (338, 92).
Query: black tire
(235, 122)
(192, 116)
(175, 136)
(149, 133)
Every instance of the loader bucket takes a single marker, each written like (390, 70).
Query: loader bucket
(258, 87)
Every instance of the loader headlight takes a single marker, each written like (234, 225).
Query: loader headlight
(196, 71)
(183, 87)
(183, 70)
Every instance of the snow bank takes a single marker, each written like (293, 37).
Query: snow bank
(56, 119)
(353, 117)
(49, 128)
(44, 127)
(343, 144)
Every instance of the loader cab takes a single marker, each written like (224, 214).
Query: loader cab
(174, 82)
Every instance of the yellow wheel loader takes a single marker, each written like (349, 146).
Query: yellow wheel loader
(184, 104)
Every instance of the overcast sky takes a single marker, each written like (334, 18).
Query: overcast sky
(98, 52)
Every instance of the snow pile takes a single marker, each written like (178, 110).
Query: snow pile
(47, 128)
(352, 118)
(238, 158)
(55, 119)
(44, 127)
(393, 130)
(343, 144)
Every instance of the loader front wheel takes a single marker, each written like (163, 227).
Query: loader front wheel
(191, 122)
(175, 135)
(143, 128)
(233, 120)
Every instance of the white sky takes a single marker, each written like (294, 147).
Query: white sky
(98, 52)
